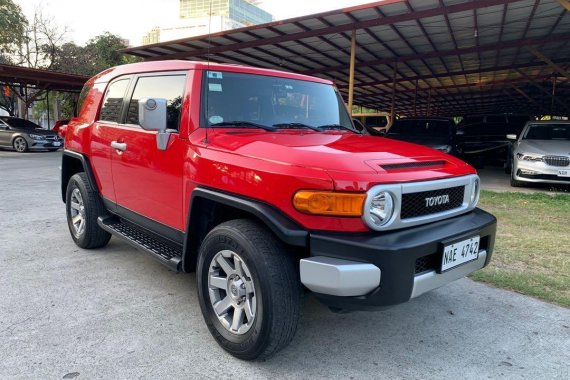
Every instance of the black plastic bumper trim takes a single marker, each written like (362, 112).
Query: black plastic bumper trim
(396, 252)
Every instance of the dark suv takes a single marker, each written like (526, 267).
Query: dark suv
(433, 132)
(483, 137)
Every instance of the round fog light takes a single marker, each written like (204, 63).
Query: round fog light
(381, 208)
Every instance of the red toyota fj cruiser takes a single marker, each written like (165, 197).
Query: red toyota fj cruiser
(258, 181)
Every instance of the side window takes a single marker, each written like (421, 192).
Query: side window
(169, 87)
(113, 101)
(82, 96)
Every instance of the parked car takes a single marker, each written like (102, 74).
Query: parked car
(23, 135)
(483, 137)
(375, 123)
(434, 132)
(541, 153)
(257, 180)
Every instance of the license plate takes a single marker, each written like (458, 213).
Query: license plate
(56, 143)
(564, 173)
(459, 253)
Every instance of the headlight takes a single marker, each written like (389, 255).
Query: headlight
(379, 209)
(36, 137)
(529, 157)
(475, 189)
(444, 148)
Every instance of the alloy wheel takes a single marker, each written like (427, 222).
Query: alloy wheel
(20, 144)
(77, 210)
(232, 292)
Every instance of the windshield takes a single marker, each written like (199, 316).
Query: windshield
(246, 100)
(422, 128)
(548, 132)
(21, 123)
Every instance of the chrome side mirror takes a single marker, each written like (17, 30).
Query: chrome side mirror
(152, 117)
(511, 137)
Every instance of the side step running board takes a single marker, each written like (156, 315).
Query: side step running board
(168, 253)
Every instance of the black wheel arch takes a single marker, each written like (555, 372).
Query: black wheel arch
(73, 163)
(209, 208)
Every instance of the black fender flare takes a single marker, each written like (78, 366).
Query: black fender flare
(286, 229)
(68, 170)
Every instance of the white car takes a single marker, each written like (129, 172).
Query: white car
(541, 153)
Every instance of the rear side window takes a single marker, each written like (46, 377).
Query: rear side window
(82, 96)
(111, 110)
(169, 87)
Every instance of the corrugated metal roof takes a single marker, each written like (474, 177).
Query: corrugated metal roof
(465, 57)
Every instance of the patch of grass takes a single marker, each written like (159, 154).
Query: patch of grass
(532, 248)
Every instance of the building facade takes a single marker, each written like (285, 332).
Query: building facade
(200, 17)
(241, 11)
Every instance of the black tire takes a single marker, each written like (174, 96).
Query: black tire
(508, 167)
(514, 182)
(91, 236)
(277, 287)
(20, 144)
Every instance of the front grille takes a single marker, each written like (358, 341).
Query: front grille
(420, 204)
(410, 165)
(557, 160)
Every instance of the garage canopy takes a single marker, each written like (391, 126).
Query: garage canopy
(439, 57)
(42, 79)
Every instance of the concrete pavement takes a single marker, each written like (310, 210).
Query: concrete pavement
(117, 313)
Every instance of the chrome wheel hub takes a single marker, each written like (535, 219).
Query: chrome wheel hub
(232, 292)
(77, 210)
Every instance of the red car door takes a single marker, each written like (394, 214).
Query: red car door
(103, 132)
(148, 181)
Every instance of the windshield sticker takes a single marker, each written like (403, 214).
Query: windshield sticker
(215, 87)
(215, 75)
(216, 119)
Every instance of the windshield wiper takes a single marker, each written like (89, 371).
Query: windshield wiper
(296, 125)
(243, 124)
(336, 126)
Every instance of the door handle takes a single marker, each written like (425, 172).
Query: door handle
(119, 146)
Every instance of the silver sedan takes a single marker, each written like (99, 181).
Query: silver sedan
(541, 153)
(23, 135)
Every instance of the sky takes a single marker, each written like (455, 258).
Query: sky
(131, 19)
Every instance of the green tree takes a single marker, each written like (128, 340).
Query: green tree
(104, 50)
(12, 27)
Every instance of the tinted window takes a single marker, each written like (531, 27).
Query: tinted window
(169, 87)
(417, 128)
(375, 121)
(113, 101)
(496, 119)
(21, 123)
(259, 99)
(472, 119)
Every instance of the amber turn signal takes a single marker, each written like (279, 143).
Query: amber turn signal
(329, 203)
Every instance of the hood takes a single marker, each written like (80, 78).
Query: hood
(545, 147)
(331, 151)
(37, 131)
